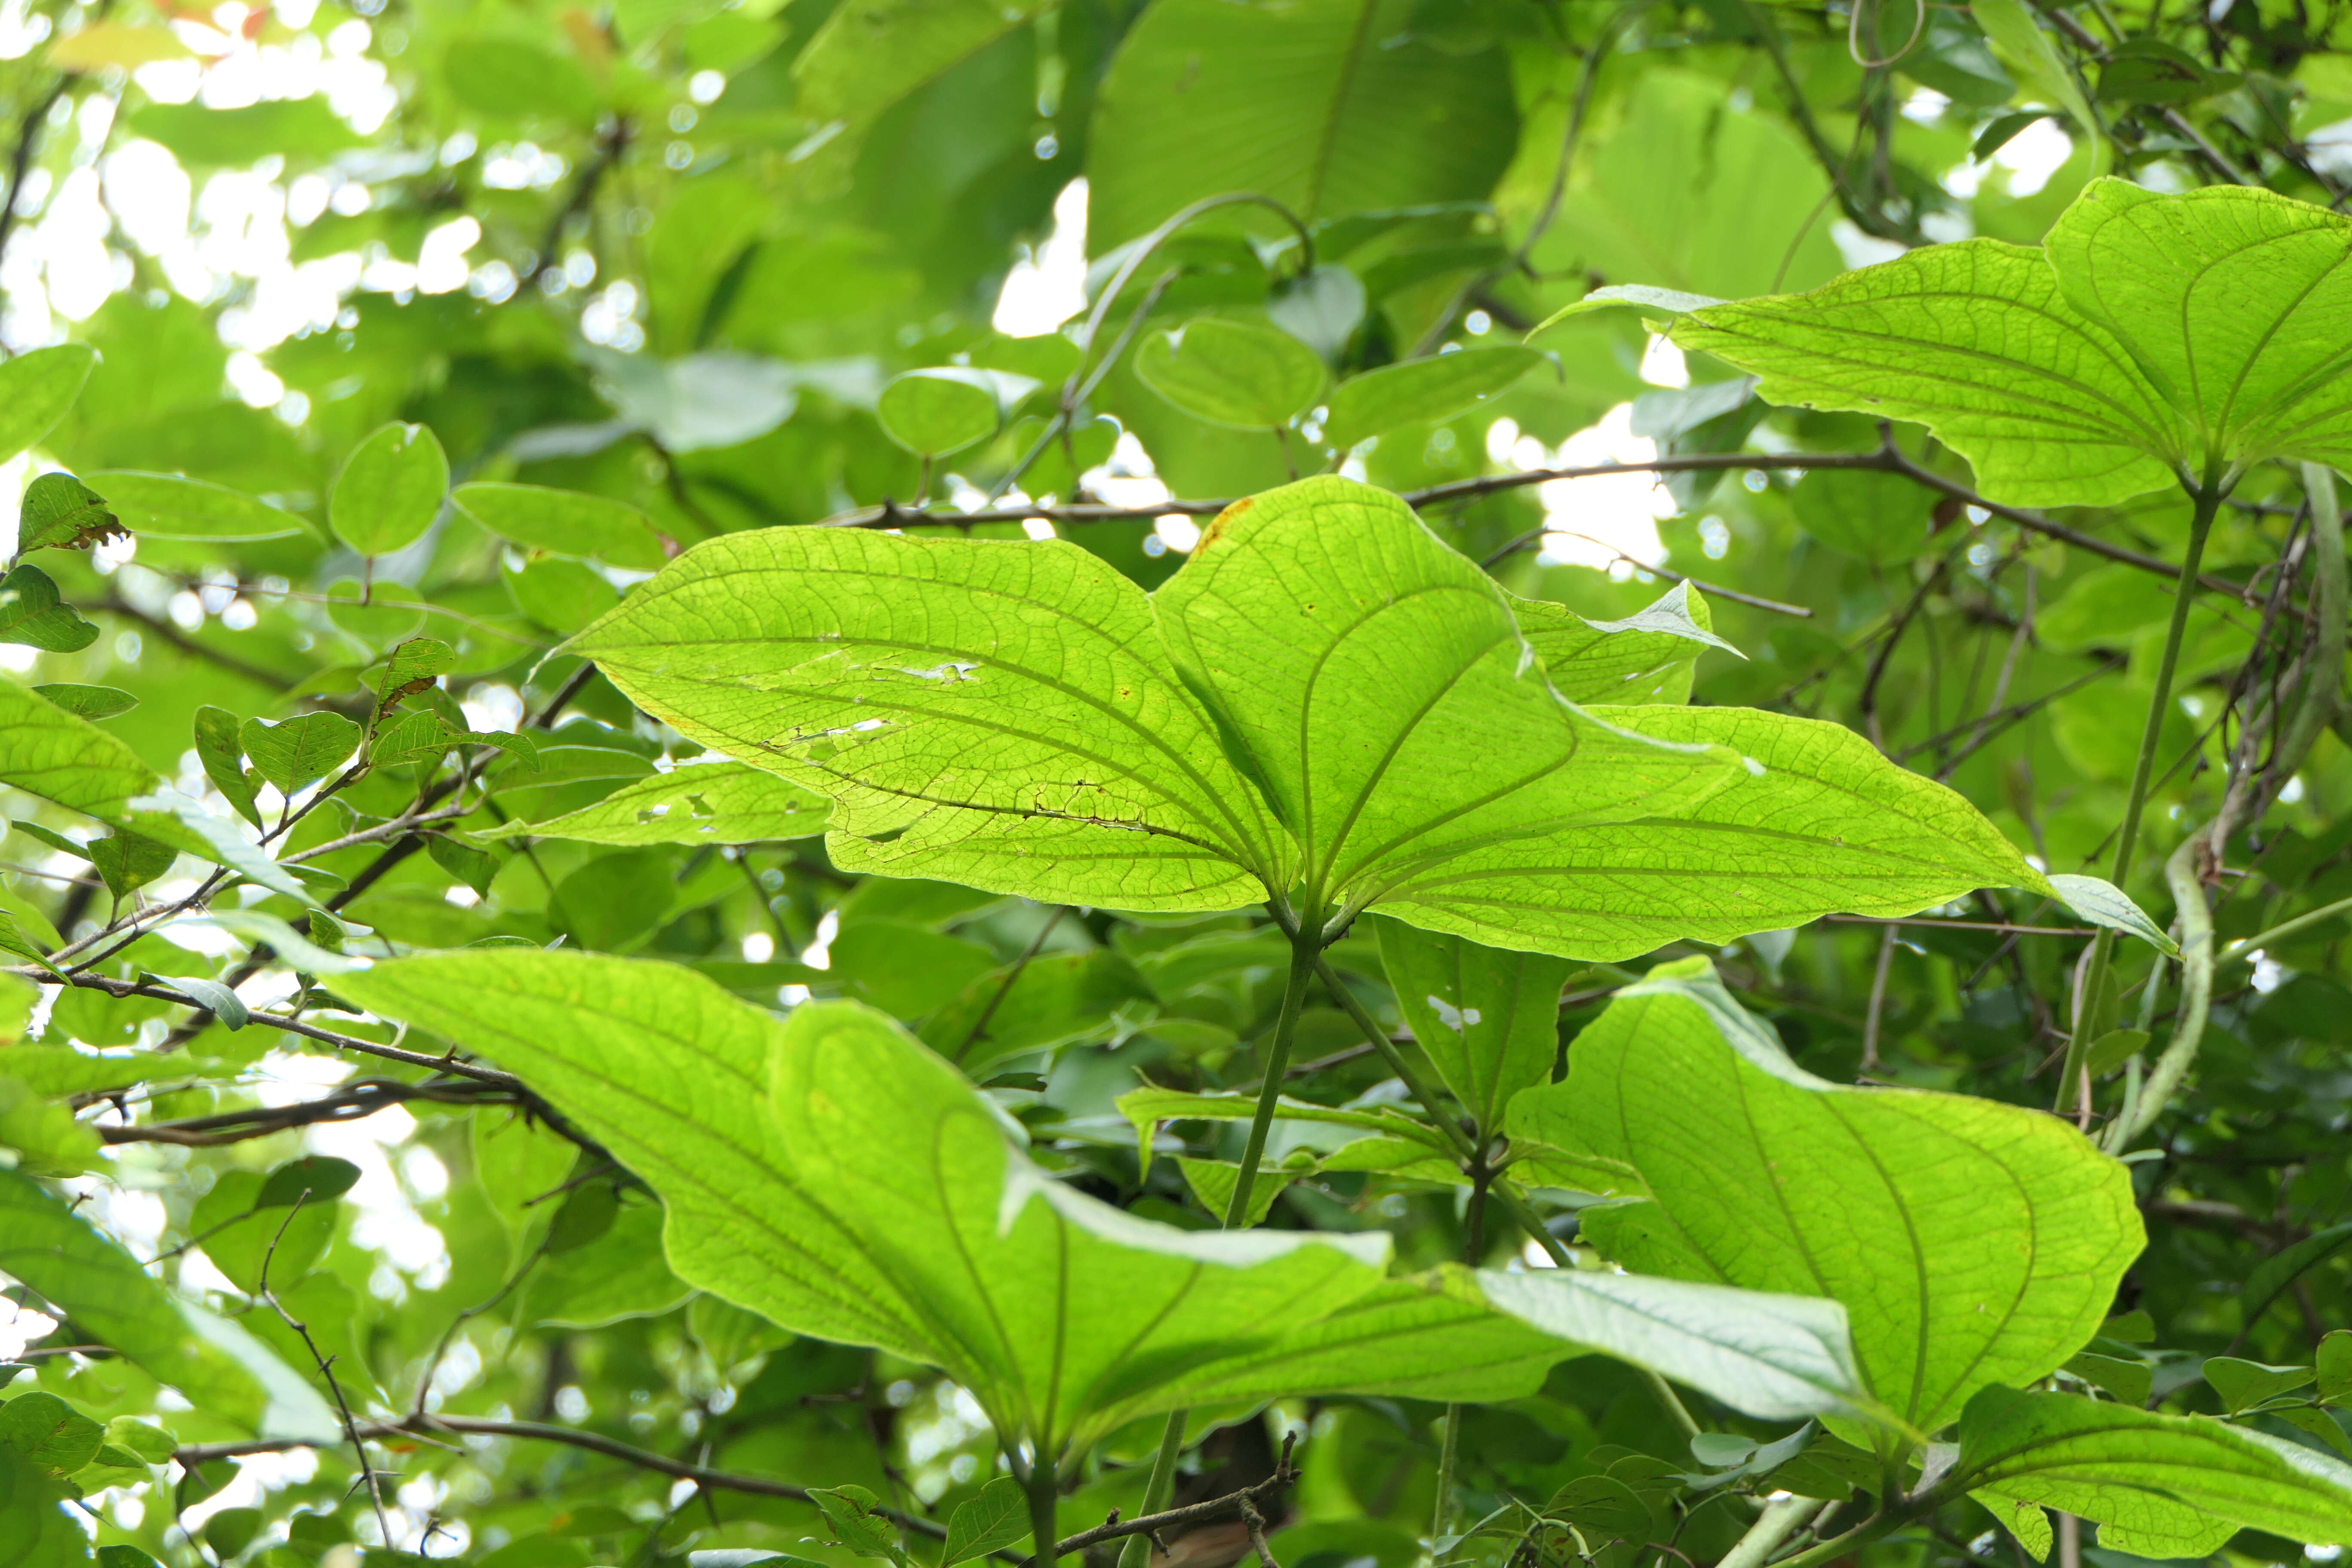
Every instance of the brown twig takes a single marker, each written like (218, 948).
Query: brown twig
(1192, 1513)
(326, 1370)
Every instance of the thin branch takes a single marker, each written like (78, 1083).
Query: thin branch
(1012, 977)
(118, 606)
(2001, 926)
(350, 1102)
(195, 1456)
(326, 1370)
(1887, 459)
(1246, 1498)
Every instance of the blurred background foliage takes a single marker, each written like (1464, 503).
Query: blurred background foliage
(675, 258)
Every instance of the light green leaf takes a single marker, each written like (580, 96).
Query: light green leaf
(300, 750)
(13, 940)
(221, 750)
(911, 1219)
(33, 616)
(43, 1139)
(36, 390)
(1146, 1107)
(935, 412)
(1775, 1357)
(2159, 1486)
(1488, 1020)
(32, 1518)
(2274, 1274)
(564, 522)
(389, 490)
(1648, 656)
(1424, 389)
(1330, 107)
(998, 1517)
(2103, 903)
(1971, 1242)
(1688, 191)
(870, 54)
(47, 752)
(2053, 414)
(90, 701)
(2243, 1384)
(1001, 714)
(1350, 658)
(291, 946)
(129, 861)
(1641, 297)
(1235, 373)
(2012, 25)
(1819, 821)
(60, 512)
(169, 506)
(2153, 336)
(696, 802)
(215, 1363)
(994, 713)
(1057, 999)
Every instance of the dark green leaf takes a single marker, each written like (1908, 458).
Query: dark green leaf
(32, 615)
(60, 512)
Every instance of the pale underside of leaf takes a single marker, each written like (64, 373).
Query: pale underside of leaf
(1974, 1243)
(968, 706)
(2235, 302)
(1819, 823)
(1974, 340)
(2170, 1485)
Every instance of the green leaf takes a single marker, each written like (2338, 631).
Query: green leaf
(1647, 656)
(2112, 1049)
(997, 1517)
(1329, 106)
(215, 1361)
(59, 756)
(1488, 1020)
(1819, 821)
(1001, 714)
(32, 615)
(2153, 336)
(2270, 1277)
(695, 803)
(44, 1138)
(1148, 1107)
(1421, 390)
(2129, 1381)
(1057, 999)
(172, 506)
(935, 412)
(910, 1220)
(91, 701)
(129, 861)
(13, 940)
(1973, 1243)
(33, 1520)
(412, 667)
(2159, 1486)
(60, 512)
(1235, 373)
(2334, 1367)
(221, 749)
(564, 522)
(2012, 25)
(50, 1432)
(1874, 517)
(232, 138)
(1212, 1183)
(938, 691)
(850, 1511)
(1775, 1357)
(2103, 903)
(1690, 192)
(36, 390)
(2243, 1384)
(297, 751)
(871, 54)
(389, 490)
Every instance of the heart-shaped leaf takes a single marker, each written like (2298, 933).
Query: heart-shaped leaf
(2151, 338)
(1974, 1243)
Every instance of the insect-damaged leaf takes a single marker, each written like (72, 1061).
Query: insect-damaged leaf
(1288, 714)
